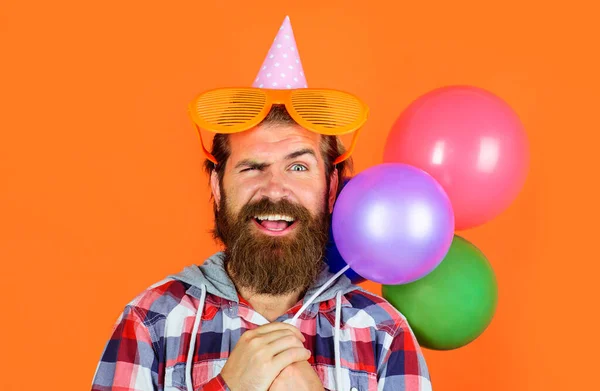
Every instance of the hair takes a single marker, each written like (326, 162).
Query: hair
(331, 149)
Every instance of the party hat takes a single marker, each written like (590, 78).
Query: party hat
(282, 68)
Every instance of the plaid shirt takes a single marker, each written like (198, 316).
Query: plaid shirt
(149, 343)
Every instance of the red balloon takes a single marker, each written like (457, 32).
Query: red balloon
(471, 142)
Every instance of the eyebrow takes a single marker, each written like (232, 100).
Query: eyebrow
(250, 163)
(305, 151)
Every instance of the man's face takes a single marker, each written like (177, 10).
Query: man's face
(274, 208)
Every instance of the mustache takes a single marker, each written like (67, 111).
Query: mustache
(281, 207)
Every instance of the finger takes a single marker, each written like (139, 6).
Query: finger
(281, 344)
(288, 357)
(268, 328)
(275, 335)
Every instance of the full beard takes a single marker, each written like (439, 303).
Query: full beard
(273, 265)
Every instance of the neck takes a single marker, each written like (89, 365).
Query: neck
(269, 306)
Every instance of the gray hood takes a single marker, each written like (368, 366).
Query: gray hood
(212, 274)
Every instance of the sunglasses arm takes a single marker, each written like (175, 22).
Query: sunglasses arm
(347, 154)
(209, 156)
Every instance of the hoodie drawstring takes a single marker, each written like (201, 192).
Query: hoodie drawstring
(336, 340)
(190, 355)
(338, 316)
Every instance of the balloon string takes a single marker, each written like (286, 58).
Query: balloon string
(318, 292)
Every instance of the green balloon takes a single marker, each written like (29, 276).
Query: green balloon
(451, 306)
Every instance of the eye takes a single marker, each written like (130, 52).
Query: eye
(252, 168)
(298, 167)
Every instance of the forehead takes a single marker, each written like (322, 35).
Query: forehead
(272, 142)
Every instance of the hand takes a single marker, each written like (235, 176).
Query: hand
(297, 377)
(261, 354)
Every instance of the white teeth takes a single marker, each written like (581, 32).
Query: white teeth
(275, 218)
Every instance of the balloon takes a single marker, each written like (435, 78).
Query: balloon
(334, 259)
(454, 304)
(393, 223)
(472, 142)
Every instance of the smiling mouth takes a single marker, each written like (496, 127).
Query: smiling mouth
(275, 224)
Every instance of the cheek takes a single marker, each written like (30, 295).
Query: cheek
(239, 195)
(313, 197)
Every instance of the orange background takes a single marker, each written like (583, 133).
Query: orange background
(102, 194)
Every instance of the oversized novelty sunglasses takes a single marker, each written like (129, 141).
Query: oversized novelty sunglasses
(323, 111)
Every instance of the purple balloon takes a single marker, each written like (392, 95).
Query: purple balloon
(393, 223)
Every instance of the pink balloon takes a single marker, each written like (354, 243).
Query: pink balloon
(471, 142)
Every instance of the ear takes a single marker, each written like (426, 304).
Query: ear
(333, 186)
(215, 188)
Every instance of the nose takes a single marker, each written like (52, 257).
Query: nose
(275, 187)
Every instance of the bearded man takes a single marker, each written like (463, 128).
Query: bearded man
(265, 313)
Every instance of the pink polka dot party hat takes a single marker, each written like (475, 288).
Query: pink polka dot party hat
(282, 68)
